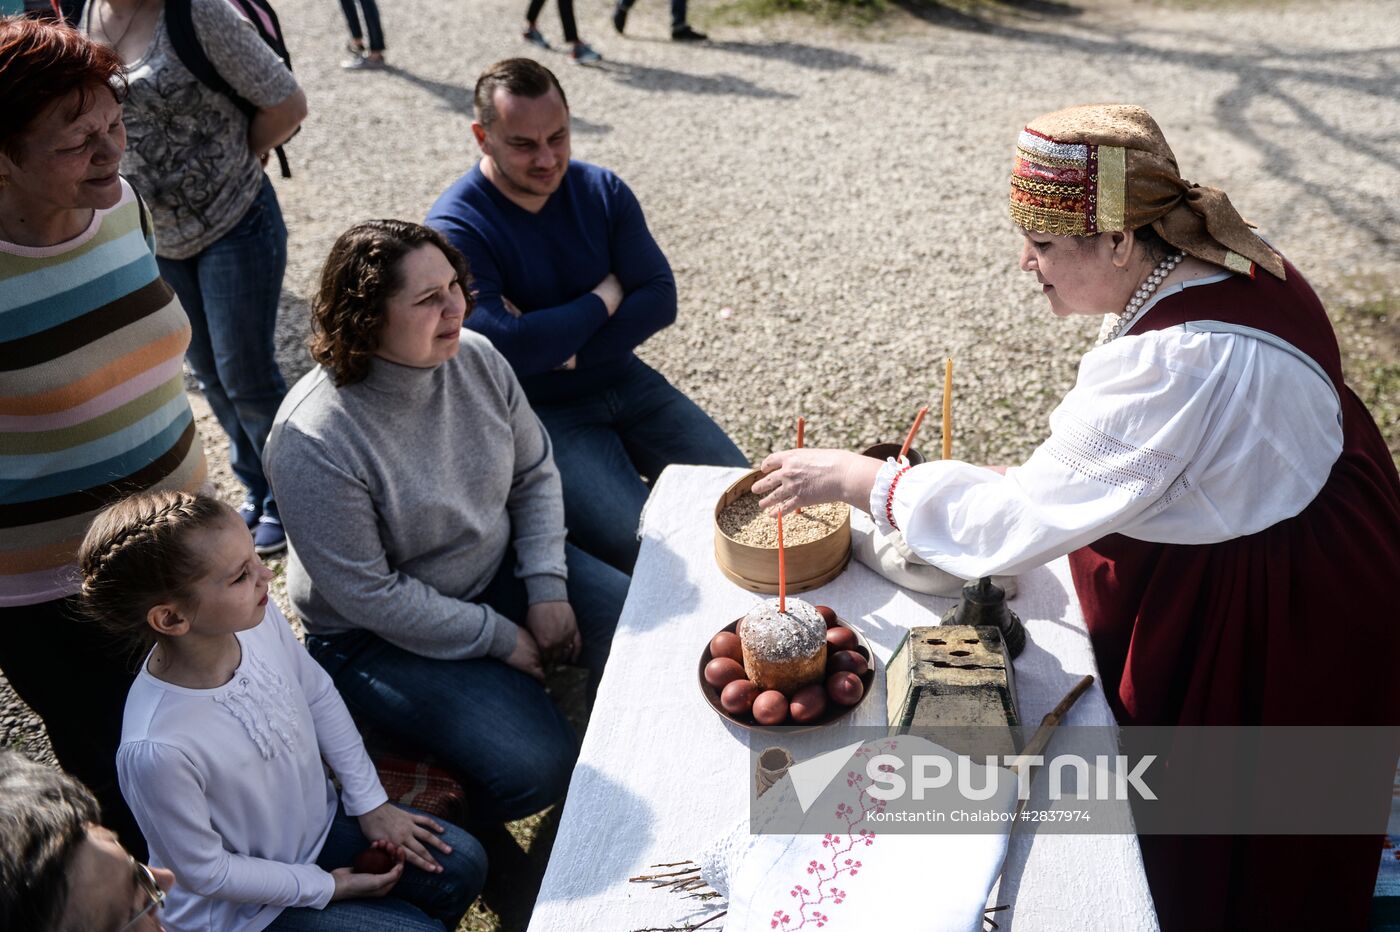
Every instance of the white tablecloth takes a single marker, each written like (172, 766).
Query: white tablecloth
(661, 775)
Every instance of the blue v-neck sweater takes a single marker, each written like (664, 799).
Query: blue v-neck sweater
(547, 265)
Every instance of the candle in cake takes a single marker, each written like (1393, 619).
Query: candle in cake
(782, 567)
(913, 429)
(948, 408)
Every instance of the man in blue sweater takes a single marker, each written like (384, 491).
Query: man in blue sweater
(569, 282)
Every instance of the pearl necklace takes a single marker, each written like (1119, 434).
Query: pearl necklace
(1114, 323)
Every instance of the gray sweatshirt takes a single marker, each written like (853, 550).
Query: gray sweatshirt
(400, 495)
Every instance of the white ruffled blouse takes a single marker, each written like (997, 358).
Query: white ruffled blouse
(1190, 435)
(229, 785)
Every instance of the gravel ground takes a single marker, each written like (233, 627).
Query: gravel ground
(843, 191)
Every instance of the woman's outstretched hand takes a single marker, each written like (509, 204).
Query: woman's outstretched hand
(799, 478)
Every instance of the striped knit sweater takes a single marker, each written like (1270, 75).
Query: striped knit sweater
(92, 400)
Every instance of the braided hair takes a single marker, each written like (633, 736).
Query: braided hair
(137, 554)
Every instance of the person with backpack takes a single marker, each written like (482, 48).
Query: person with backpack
(210, 99)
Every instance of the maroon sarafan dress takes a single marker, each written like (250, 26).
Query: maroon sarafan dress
(1238, 633)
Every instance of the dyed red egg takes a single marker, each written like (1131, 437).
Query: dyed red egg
(770, 708)
(808, 703)
(727, 644)
(722, 671)
(737, 697)
(844, 688)
(828, 614)
(373, 861)
(841, 638)
(847, 660)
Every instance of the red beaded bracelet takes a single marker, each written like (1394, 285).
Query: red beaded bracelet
(889, 499)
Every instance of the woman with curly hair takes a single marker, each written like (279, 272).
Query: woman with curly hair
(427, 524)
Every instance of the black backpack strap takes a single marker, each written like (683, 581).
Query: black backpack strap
(179, 23)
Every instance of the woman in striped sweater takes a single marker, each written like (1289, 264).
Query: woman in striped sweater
(92, 401)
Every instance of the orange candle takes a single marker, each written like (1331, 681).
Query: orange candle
(948, 409)
(913, 429)
(782, 567)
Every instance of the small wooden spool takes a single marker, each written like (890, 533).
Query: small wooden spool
(809, 565)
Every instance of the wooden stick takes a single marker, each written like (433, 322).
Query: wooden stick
(914, 429)
(1042, 735)
(1041, 739)
(948, 408)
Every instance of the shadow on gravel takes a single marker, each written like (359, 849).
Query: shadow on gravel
(1265, 77)
(804, 56)
(986, 15)
(454, 96)
(664, 80)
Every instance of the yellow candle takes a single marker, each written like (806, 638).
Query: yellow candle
(948, 408)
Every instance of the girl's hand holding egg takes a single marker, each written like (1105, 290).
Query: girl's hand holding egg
(360, 882)
(379, 858)
(408, 830)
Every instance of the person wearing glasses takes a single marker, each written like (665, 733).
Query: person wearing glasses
(59, 868)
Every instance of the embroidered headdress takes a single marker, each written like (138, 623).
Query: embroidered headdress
(1107, 167)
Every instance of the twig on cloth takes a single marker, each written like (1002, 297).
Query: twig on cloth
(685, 881)
(686, 928)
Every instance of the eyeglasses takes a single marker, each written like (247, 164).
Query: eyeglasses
(145, 882)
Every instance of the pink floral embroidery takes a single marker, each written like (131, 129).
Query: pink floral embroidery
(840, 846)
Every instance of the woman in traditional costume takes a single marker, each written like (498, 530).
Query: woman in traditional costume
(1223, 495)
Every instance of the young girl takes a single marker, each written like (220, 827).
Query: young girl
(224, 734)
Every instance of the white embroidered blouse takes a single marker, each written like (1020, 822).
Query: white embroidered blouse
(1187, 435)
(229, 785)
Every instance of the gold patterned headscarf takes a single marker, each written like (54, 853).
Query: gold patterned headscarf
(1107, 167)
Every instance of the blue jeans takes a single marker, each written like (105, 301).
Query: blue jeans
(419, 901)
(494, 727)
(640, 424)
(352, 19)
(230, 292)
